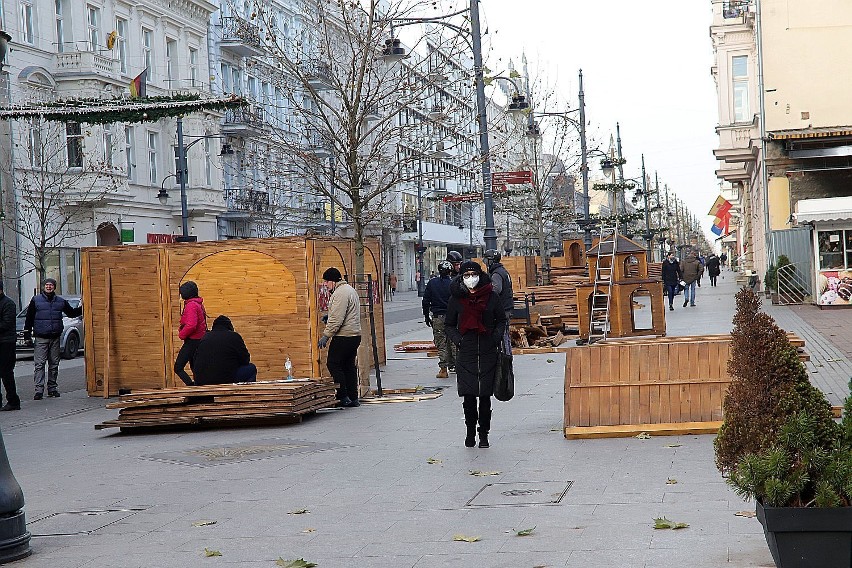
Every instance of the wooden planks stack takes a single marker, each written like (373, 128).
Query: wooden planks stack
(270, 288)
(655, 271)
(662, 386)
(213, 404)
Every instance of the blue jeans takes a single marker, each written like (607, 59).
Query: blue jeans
(689, 293)
(671, 290)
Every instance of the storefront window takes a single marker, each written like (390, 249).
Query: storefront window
(63, 265)
(832, 252)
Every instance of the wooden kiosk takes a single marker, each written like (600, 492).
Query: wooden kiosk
(630, 288)
(270, 288)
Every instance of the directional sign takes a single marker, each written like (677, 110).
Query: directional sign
(462, 198)
(511, 178)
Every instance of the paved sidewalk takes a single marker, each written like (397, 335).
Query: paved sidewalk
(385, 485)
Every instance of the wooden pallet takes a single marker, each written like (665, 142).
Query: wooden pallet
(626, 431)
(419, 346)
(213, 404)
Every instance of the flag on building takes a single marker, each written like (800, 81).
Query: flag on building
(721, 224)
(137, 85)
(720, 207)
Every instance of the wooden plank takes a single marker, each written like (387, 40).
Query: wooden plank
(629, 430)
(654, 404)
(107, 333)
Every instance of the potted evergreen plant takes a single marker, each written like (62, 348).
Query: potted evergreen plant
(780, 446)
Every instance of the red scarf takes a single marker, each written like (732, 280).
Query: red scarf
(474, 305)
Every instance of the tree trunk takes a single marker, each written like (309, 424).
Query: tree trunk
(358, 226)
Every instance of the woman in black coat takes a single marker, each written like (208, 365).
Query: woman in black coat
(712, 266)
(475, 323)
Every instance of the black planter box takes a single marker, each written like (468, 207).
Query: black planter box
(801, 537)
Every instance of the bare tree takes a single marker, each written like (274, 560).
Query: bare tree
(61, 172)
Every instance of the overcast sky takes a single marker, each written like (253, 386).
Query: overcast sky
(645, 65)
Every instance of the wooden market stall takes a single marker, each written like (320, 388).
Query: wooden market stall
(270, 288)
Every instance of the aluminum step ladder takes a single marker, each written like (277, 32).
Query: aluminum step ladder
(602, 292)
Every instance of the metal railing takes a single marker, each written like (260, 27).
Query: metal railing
(792, 286)
(245, 115)
(236, 28)
(249, 200)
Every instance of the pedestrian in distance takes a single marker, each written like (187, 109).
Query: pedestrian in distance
(456, 260)
(44, 322)
(701, 261)
(671, 277)
(475, 323)
(222, 356)
(8, 338)
(723, 259)
(435, 300)
(712, 265)
(500, 280)
(192, 327)
(343, 329)
(691, 270)
(392, 282)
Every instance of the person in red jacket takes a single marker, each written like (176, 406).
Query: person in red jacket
(193, 326)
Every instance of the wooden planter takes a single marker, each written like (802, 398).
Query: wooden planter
(270, 288)
(660, 386)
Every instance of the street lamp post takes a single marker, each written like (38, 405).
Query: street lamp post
(421, 282)
(584, 167)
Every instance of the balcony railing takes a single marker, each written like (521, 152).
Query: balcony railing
(245, 120)
(247, 200)
(241, 36)
(735, 8)
(318, 74)
(85, 63)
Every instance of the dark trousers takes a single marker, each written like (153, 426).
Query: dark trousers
(672, 291)
(713, 280)
(184, 356)
(343, 366)
(472, 415)
(246, 374)
(7, 372)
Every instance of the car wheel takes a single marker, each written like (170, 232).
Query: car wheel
(72, 347)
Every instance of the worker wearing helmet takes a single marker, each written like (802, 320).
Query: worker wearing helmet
(456, 260)
(435, 300)
(500, 280)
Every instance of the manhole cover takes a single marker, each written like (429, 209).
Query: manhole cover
(78, 522)
(257, 450)
(520, 493)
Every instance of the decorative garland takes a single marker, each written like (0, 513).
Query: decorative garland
(107, 111)
(613, 186)
(622, 218)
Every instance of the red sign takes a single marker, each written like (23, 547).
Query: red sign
(462, 198)
(511, 178)
(157, 238)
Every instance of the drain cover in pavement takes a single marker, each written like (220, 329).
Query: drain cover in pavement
(78, 522)
(520, 493)
(257, 450)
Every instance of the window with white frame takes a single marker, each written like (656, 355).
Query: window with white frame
(226, 78)
(171, 62)
(93, 28)
(236, 81)
(34, 142)
(252, 88)
(739, 80)
(107, 147)
(27, 24)
(74, 144)
(59, 6)
(148, 51)
(193, 67)
(208, 166)
(152, 158)
(121, 43)
(129, 154)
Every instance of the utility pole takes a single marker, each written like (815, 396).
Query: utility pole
(584, 168)
(620, 204)
(649, 236)
(485, 150)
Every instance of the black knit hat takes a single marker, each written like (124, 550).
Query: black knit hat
(332, 275)
(469, 265)
(48, 281)
(188, 289)
(223, 321)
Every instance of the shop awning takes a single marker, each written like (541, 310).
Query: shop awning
(806, 133)
(826, 210)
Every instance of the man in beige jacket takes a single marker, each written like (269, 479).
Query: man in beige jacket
(344, 325)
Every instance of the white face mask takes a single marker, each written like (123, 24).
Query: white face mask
(471, 281)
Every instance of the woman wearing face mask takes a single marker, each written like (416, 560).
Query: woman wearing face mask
(475, 323)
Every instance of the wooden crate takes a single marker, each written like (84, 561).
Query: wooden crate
(270, 288)
(659, 386)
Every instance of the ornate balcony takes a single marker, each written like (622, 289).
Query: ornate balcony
(248, 201)
(246, 121)
(318, 74)
(79, 64)
(737, 142)
(241, 37)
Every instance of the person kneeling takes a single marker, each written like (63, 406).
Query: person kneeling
(222, 357)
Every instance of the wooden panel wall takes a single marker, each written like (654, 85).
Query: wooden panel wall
(646, 382)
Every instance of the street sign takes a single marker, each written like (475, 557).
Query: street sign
(501, 180)
(463, 198)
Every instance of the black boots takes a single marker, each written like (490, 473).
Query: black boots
(474, 415)
(470, 417)
(484, 427)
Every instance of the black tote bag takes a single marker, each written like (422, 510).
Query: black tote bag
(504, 379)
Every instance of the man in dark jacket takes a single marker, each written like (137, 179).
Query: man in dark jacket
(8, 337)
(456, 260)
(671, 277)
(691, 270)
(222, 357)
(45, 322)
(500, 280)
(435, 300)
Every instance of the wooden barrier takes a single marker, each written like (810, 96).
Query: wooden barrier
(656, 386)
(270, 288)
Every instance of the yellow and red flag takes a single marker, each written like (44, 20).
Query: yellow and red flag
(720, 207)
(137, 85)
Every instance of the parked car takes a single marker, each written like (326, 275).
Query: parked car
(72, 334)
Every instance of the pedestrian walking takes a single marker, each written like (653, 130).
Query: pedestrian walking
(222, 356)
(691, 270)
(500, 280)
(456, 260)
(44, 322)
(712, 266)
(8, 337)
(701, 261)
(671, 277)
(192, 327)
(723, 259)
(344, 326)
(475, 323)
(392, 281)
(435, 300)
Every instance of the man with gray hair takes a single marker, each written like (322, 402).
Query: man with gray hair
(44, 321)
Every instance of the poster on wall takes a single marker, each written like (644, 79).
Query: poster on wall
(835, 287)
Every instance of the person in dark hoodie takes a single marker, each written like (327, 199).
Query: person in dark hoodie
(500, 279)
(672, 276)
(8, 336)
(222, 356)
(44, 320)
(475, 323)
(435, 300)
(193, 326)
